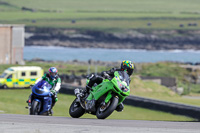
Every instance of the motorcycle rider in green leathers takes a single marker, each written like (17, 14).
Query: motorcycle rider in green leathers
(126, 65)
(54, 80)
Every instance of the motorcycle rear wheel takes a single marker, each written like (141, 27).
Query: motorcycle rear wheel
(102, 114)
(76, 110)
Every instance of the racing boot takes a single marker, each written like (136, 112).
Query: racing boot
(54, 100)
(120, 107)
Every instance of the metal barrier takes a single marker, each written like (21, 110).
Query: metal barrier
(174, 108)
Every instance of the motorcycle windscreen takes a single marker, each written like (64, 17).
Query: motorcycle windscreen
(42, 87)
(124, 80)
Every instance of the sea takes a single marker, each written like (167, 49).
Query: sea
(53, 53)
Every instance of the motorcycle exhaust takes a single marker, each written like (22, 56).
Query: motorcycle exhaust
(77, 91)
(77, 94)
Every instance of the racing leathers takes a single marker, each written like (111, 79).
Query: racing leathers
(56, 83)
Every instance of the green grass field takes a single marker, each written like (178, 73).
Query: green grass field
(102, 15)
(13, 102)
(174, 6)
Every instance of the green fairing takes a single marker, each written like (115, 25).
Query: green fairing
(109, 96)
(110, 87)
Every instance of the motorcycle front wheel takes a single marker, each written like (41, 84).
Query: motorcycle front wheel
(76, 110)
(104, 111)
(35, 108)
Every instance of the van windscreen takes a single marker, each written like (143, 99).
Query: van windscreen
(9, 69)
(3, 75)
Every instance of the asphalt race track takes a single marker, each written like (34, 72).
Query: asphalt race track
(10, 123)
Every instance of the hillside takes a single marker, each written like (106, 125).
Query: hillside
(135, 24)
(153, 90)
(106, 15)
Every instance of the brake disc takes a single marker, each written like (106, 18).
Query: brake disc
(104, 106)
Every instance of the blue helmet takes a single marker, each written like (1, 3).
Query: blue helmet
(53, 72)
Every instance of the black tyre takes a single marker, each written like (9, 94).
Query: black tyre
(76, 110)
(5, 86)
(102, 114)
(35, 108)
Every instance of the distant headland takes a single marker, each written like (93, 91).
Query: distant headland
(129, 39)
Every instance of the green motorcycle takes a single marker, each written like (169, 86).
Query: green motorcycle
(103, 98)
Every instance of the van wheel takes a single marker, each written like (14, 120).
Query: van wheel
(5, 86)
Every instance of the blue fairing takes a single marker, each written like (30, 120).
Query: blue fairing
(42, 88)
(41, 92)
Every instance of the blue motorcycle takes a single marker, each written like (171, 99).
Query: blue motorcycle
(41, 96)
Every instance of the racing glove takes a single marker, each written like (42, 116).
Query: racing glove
(113, 70)
(53, 91)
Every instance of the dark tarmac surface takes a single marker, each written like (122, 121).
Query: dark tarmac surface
(10, 123)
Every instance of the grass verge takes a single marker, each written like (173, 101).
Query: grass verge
(12, 101)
